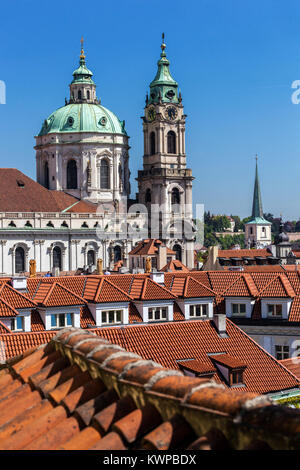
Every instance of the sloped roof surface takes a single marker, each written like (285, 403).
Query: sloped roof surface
(76, 393)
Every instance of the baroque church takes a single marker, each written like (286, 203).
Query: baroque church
(79, 209)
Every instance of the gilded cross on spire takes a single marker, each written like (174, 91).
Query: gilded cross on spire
(163, 46)
(82, 56)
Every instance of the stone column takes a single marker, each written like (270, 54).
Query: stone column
(2, 243)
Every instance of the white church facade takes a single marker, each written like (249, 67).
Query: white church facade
(79, 209)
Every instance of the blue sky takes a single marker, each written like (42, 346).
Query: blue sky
(234, 60)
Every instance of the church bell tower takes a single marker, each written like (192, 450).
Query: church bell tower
(165, 183)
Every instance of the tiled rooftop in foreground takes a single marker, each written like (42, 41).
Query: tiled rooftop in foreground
(81, 392)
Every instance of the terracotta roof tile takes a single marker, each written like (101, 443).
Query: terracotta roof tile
(152, 290)
(278, 287)
(143, 406)
(242, 286)
(22, 194)
(55, 294)
(194, 288)
(149, 247)
(262, 252)
(228, 361)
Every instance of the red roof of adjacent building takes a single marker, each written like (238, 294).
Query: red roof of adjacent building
(19, 193)
(55, 294)
(76, 393)
(262, 252)
(175, 266)
(170, 342)
(149, 247)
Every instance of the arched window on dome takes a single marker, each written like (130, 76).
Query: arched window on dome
(71, 175)
(88, 94)
(171, 142)
(46, 175)
(152, 143)
(19, 260)
(104, 174)
(79, 94)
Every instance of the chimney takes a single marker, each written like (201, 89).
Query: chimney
(220, 323)
(19, 283)
(162, 257)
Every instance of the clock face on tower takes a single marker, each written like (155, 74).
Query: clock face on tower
(151, 114)
(171, 113)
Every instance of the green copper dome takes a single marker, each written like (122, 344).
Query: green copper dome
(83, 117)
(83, 112)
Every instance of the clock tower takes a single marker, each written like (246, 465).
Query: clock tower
(165, 183)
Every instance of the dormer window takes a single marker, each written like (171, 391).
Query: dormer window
(238, 309)
(17, 324)
(61, 320)
(230, 368)
(236, 377)
(198, 311)
(275, 310)
(157, 313)
(109, 317)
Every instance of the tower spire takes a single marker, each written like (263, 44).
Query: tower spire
(163, 84)
(257, 210)
(82, 55)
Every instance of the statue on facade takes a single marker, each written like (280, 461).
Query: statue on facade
(148, 264)
(99, 266)
(32, 268)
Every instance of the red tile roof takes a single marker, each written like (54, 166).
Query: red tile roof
(15, 298)
(175, 266)
(197, 339)
(55, 294)
(102, 289)
(77, 393)
(19, 193)
(228, 361)
(197, 367)
(194, 288)
(149, 247)
(278, 287)
(263, 252)
(242, 286)
(293, 365)
(153, 291)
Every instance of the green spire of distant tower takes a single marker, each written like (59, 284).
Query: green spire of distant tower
(257, 210)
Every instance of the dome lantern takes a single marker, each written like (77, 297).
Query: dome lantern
(82, 88)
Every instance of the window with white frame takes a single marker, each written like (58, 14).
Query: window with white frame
(238, 309)
(157, 313)
(275, 310)
(282, 352)
(109, 317)
(61, 320)
(197, 311)
(17, 324)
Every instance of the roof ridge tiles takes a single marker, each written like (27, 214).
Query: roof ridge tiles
(263, 349)
(131, 392)
(18, 293)
(9, 306)
(118, 288)
(284, 285)
(191, 278)
(148, 280)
